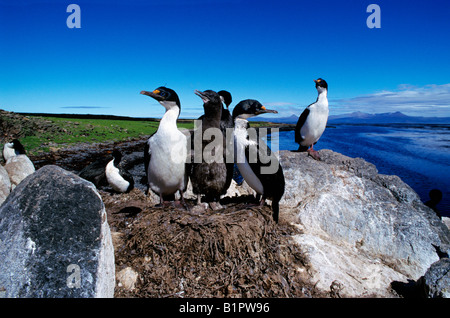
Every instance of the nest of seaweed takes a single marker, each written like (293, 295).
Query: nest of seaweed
(237, 251)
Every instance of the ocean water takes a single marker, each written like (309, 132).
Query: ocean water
(419, 154)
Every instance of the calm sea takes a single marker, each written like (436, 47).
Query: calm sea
(419, 154)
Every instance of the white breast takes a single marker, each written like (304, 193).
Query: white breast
(115, 180)
(240, 144)
(315, 124)
(166, 170)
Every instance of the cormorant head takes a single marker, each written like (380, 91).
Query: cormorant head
(211, 100)
(321, 85)
(209, 96)
(225, 96)
(249, 108)
(165, 96)
(117, 155)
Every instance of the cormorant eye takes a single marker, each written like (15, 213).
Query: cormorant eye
(163, 94)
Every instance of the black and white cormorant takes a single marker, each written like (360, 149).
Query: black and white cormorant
(313, 121)
(13, 148)
(166, 150)
(17, 163)
(259, 166)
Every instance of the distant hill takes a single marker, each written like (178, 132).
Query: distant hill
(285, 120)
(366, 118)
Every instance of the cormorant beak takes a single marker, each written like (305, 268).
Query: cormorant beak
(153, 94)
(264, 110)
(317, 81)
(202, 95)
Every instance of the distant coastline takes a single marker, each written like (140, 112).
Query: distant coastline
(284, 123)
(367, 119)
(92, 116)
(256, 124)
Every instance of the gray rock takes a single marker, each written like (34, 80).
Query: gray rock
(5, 185)
(361, 229)
(54, 239)
(18, 168)
(436, 281)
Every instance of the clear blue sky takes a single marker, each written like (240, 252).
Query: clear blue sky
(265, 50)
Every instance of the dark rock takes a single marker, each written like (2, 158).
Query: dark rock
(436, 281)
(54, 239)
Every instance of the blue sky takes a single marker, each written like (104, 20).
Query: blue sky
(266, 50)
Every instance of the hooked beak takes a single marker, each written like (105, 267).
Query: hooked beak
(153, 94)
(202, 95)
(264, 110)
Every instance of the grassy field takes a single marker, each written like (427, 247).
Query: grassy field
(64, 132)
(50, 133)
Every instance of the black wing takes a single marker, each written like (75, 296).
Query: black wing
(300, 123)
(147, 154)
(147, 157)
(273, 183)
(226, 121)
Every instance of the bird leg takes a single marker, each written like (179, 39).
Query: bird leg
(181, 203)
(313, 153)
(162, 203)
(262, 201)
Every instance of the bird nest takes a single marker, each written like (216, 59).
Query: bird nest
(237, 251)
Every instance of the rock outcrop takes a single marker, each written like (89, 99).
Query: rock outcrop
(54, 239)
(345, 231)
(14, 125)
(357, 232)
(361, 230)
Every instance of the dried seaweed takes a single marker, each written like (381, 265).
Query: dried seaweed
(237, 251)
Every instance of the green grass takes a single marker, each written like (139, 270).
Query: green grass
(73, 131)
(56, 133)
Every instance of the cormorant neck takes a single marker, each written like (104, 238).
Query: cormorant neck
(170, 117)
(322, 95)
(213, 114)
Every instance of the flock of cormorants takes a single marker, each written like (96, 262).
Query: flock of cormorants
(170, 159)
(167, 151)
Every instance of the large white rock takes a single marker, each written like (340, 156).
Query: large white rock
(361, 229)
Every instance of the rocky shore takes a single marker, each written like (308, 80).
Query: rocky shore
(344, 231)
